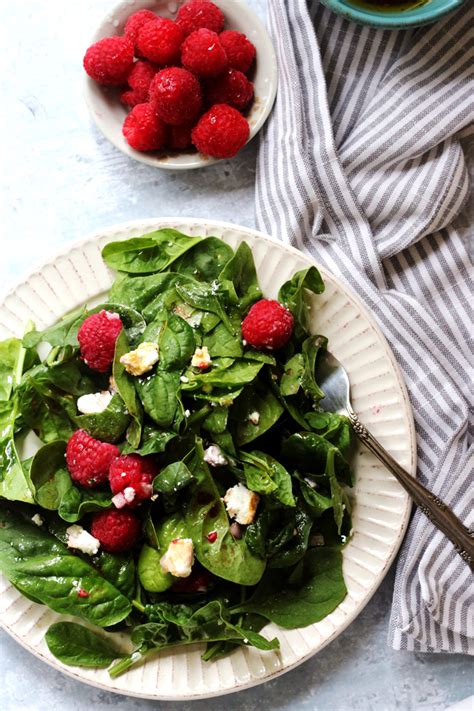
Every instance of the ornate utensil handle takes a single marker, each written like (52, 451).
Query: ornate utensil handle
(435, 509)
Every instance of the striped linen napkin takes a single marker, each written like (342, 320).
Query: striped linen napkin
(362, 165)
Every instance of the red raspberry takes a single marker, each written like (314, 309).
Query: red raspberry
(131, 478)
(108, 61)
(239, 49)
(89, 459)
(143, 129)
(135, 23)
(176, 94)
(203, 54)
(231, 88)
(197, 14)
(221, 132)
(97, 337)
(268, 325)
(117, 531)
(139, 80)
(179, 137)
(160, 41)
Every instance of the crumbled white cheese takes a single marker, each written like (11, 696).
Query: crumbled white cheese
(111, 315)
(119, 500)
(178, 559)
(142, 359)
(244, 342)
(187, 413)
(254, 417)
(214, 456)
(129, 494)
(37, 519)
(78, 538)
(201, 358)
(184, 379)
(241, 503)
(93, 403)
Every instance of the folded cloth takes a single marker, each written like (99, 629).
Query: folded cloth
(362, 165)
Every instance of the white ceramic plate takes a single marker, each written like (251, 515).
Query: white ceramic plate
(381, 507)
(108, 112)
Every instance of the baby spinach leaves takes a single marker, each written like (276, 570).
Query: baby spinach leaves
(292, 294)
(265, 475)
(108, 425)
(314, 588)
(240, 270)
(44, 569)
(255, 411)
(126, 388)
(154, 252)
(78, 646)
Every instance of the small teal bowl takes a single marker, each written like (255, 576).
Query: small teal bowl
(363, 14)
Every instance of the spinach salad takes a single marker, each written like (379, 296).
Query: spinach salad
(258, 410)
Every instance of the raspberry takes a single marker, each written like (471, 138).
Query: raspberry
(143, 129)
(179, 137)
(221, 132)
(135, 23)
(139, 80)
(231, 88)
(268, 325)
(117, 531)
(240, 51)
(97, 337)
(176, 94)
(160, 41)
(89, 459)
(108, 61)
(199, 581)
(197, 14)
(130, 478)
(203, 54)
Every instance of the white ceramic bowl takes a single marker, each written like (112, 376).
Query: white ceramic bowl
(381, 507)
(109, 113)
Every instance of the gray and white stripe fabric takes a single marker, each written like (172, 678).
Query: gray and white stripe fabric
(362, 165)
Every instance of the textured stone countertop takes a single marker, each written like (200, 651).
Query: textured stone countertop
(61, 180)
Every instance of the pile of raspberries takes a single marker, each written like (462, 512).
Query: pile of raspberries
(185, 80)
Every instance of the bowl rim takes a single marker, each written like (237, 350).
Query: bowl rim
(193, 160)
(391, 21)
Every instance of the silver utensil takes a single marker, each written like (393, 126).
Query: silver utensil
(332, 378)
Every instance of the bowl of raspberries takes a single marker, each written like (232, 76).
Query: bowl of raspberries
(180, 85)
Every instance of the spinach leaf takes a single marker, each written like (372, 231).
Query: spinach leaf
(205, 260)
(126, 389)
(225, 372)
(227, 557)
(47, 411)
(118, 569)
(292, 378)
(172, 478)
(154, 441)
(222, 343)
(184, 624)
(310, 349)
(318, 503)
(333, 427)
(176, 343)
(41, 567)
(336, 491)
(79, 646)
(295, 548)
(266, 475)
(204, 297)
(48, 474)
(292, 294)
(108, 425)
(216, 421)
(153, 252)
(75, 502)
(314, 589)
(308, 452)
(140, 292)
(14, 484)
(159, 395)
(10, 354)
(259, 399)
(240, 270)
